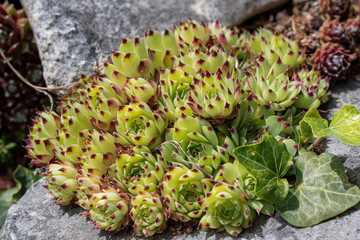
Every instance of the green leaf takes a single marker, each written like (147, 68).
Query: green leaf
(320, 192)
(344, 125)
(268, 161)
(24, 178)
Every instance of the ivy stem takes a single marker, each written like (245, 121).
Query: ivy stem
(179, 148)
(306, 140)
(314, 144)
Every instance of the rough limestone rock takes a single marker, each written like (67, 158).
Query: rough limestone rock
(72, 36)
(35, 215)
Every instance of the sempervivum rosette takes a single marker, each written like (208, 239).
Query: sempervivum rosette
(75, 124)
(109, 209)
(137, 124)
(274, 46)
(193, 33)
(352, 27)
(216, 96)
(332, 61)
(61, 181)
(101, 101)
(99, 152)
(231, 204)
(227, 38)
(140, 89)
(148, 214)
(182, 189)
(175, 85)
(193, 59)
(88, 184)
(198, 141)
(42, 138)
(247, 127)
(271, 85)
(314, 89)
(334, 31)
(138, 170)
(103, 98)
(227, 209)
(133, 60)
(335, 8)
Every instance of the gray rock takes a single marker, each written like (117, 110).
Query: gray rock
(345, 93)
(72, 35)
(35, 215)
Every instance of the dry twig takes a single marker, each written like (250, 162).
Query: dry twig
(36, 88)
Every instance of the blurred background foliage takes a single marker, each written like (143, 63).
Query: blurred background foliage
(18, 102)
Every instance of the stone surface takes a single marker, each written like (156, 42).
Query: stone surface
(35, 216)
(72, 35)
(345, 93)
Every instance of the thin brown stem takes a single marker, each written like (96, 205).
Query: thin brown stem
(36, 88)
(306, 140)
(314, 144)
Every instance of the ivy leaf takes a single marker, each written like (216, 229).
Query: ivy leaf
(344, 125)
(24, 178)
(268, 161)
(320, 191)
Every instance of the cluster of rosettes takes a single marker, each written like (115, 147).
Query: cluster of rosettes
(339, 34)
(154, 139)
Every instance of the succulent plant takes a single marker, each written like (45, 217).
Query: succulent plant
(61, 181)
(175, 85)
(74, 130)
(101, 100)
(332, 61)
(215, 96)
(226, 208)
(99, 153)
(314, 89)
(247, 127)
(335, 8)
(109, 209)
(191, 60)
(142, 90)
(158, 137)
(274, 46)
(334, 31)
(231, 203)
(182, 189)
(42, 138)
(14, 28)
(137, 124)
(193, 34)
(147, 214)
(352, 27)
(138, 170)
(227, 39)
(198, 141)
(88, 184)
(271, 85)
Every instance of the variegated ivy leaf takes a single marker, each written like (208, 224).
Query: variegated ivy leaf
(344, 125)
(320, 192)
(268, 161)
